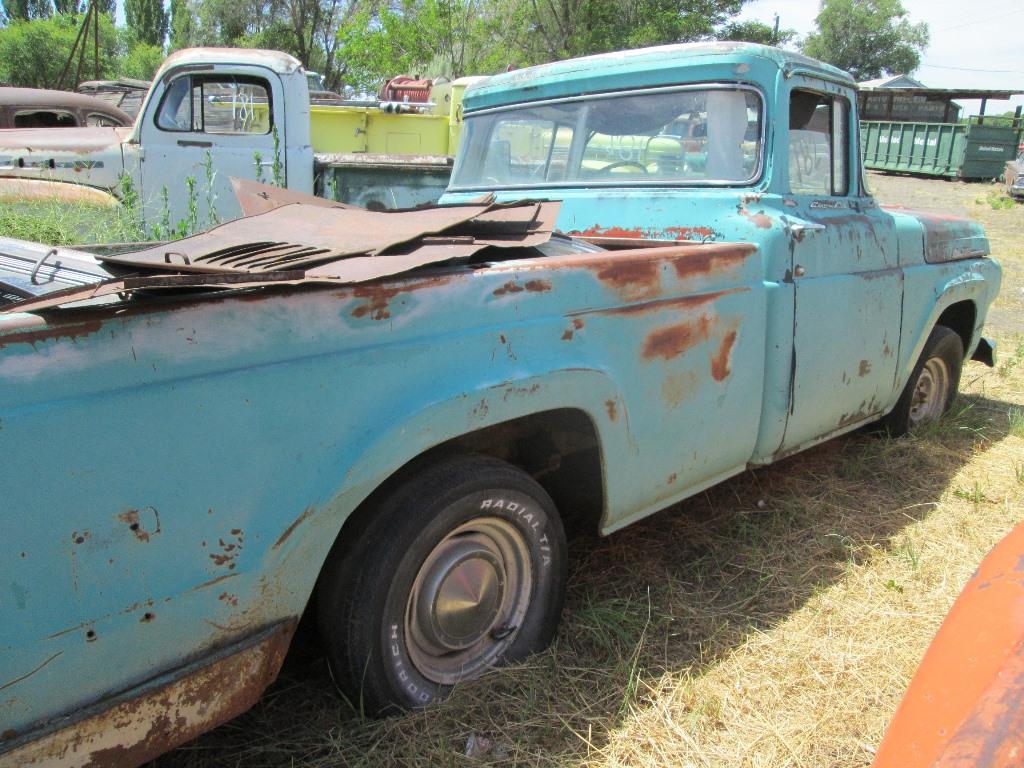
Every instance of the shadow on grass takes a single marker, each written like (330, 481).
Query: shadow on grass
(674, 593)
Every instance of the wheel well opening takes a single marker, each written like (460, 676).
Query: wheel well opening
(559, 449)
(960, 318)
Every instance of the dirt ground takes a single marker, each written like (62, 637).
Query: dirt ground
(773, 621)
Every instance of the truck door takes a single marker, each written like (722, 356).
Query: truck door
(208, 126)
(846, 274)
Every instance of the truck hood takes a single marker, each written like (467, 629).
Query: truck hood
(946, 238)
(81, 155)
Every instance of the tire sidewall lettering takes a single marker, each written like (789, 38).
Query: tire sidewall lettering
(530, 518)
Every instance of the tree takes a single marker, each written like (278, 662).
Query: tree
(33, 53)
(24, 10)
(580, 27)
(756, 32)
(147, 20)
(68, 6)
(182, 25)
(141, 62)
(867, 38)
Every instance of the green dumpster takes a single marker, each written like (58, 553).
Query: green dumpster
(955, 150)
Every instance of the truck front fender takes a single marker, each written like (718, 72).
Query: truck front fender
(930, 290)
(590, 391)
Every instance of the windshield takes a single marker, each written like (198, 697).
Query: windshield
(688, 136)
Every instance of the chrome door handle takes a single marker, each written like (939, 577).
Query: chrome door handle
(799, 231)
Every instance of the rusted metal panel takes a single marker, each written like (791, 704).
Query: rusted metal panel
(295, 236)
(965, 704)
(376, 245)
(145, 722)
(255, 198)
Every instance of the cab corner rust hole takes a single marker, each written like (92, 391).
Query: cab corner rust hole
(143, 523)
(147, 617)
(90, 635)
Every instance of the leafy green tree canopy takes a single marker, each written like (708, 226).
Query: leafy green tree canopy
(33, 53)
(756, 32)
(867, 38)
(147, 20)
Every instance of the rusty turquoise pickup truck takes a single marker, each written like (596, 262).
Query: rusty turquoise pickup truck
(651, 271)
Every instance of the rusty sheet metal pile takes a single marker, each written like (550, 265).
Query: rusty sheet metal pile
(288, 238)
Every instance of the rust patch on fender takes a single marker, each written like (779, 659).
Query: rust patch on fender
(720, 362)
(612, 409)
(760, 220)
(126, 732)
(533, 286)
(865, 368)
(680, 302)
(671, 479)
(704, 263)
(692, 233)
(570, 332)
(230, 550)
(291, 528)
(378, 305)
(671, 341)
(636, 233)
(633, 279)
(72, 331)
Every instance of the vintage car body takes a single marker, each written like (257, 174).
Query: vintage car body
(124, 93)
(212, 447)
(41, 108)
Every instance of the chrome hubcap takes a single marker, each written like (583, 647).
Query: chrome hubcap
(469, 597)
(930, 392)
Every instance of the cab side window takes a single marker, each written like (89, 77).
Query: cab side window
(819, 140)
(222, 104)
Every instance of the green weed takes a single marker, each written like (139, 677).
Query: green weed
(974, 495)
(997, 200)
(277, 169)
(1017, 421)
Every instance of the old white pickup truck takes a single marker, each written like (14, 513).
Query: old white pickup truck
(214, 113)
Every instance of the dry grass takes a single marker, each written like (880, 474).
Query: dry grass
(773, 621)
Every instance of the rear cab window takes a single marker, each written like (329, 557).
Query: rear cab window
(677, 136)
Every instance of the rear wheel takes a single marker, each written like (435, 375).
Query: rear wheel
(932, 385)
(459, 569)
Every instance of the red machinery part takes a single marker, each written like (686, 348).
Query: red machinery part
(965, 704)
(404, 88)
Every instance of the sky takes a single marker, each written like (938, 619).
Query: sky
(975, 45)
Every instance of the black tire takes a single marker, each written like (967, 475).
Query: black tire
(943, 350)
(388, 605)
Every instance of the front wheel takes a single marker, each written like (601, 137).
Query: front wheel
(932, 385)
(459, 569)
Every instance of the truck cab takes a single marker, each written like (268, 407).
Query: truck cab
(210, 114)
(740, 142)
